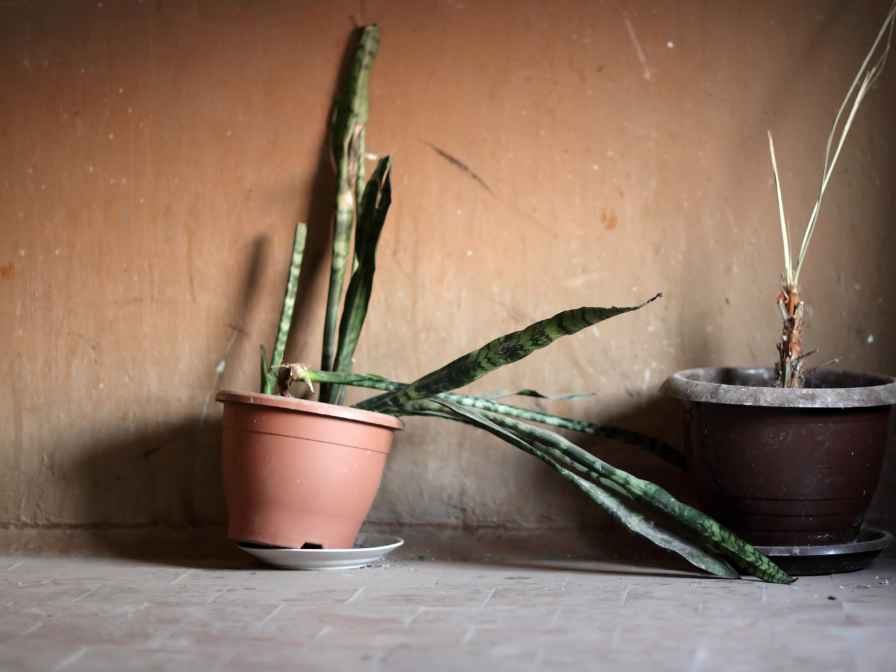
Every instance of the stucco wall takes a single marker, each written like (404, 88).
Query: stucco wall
(154, 157)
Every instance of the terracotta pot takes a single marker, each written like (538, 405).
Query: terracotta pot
(786, 467)
(300, 473)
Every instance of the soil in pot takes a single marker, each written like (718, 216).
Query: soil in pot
(786, 467)
(300, 473)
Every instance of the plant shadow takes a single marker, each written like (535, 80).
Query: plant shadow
(157, 487)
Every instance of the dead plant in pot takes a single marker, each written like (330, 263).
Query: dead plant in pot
(299, 471)
(790, 456)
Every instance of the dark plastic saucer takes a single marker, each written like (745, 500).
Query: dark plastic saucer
(833, 558)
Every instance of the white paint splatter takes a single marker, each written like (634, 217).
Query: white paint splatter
(642, 57)
(219, 371)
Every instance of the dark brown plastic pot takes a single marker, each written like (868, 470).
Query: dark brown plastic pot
(300, 473)
(786, 467)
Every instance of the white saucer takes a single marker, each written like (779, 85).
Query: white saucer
(368, 549)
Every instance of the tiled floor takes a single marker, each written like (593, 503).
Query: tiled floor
(81, 613)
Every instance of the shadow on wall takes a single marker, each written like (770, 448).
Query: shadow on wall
(162, 484)
(162, 480)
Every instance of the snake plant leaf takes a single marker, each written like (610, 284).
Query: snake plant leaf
(650, 444)
(268, 378)
(347, 151)
(497, 396)
(371, 218)
(600, 494)
(714, 535)
(497, 353)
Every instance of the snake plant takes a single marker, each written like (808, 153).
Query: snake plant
(643, 507)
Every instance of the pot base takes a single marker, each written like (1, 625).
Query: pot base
(833, 558)
(367, 550)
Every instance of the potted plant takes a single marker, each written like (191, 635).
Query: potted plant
(300, 472)
(790, 455)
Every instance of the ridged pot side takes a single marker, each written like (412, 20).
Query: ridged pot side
(786, 467)
(298, 472)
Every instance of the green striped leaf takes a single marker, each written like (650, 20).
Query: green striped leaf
(371, 218)
(496, 396)
(650, 444)
(714, 535)
(268, 375)
(347, 151)
(598, 492)
(497, 353)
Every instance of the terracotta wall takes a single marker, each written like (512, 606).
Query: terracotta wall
(155, 155)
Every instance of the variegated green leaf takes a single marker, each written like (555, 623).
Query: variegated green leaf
(371, 218)
(495, 354)
(348, 152)
(268, 375)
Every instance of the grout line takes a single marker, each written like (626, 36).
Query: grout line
(216, 596)
(700, 656)
(555, 618)
(324, 631)
(614, 640)
(87, 594)
(181, 577)
(68, 660)
(355, 595)
(276, 610)
(33, 628)
(414, 616)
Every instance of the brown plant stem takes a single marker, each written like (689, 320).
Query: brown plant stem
(790, 345)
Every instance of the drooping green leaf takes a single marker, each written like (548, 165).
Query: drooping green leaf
(645, 442)
(599, 493)
(371, 218)
(497, 353)
(268, 377)
(573, 396)
(716, 536)
(713, 537)
(347, 150)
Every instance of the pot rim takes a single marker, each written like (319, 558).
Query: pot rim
(698, 385)
(311, 407)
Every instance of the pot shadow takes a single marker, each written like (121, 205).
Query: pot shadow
(150, 488)
(163, 478)
(164, 486)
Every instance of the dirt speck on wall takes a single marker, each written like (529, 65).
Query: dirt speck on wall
(156, 157)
